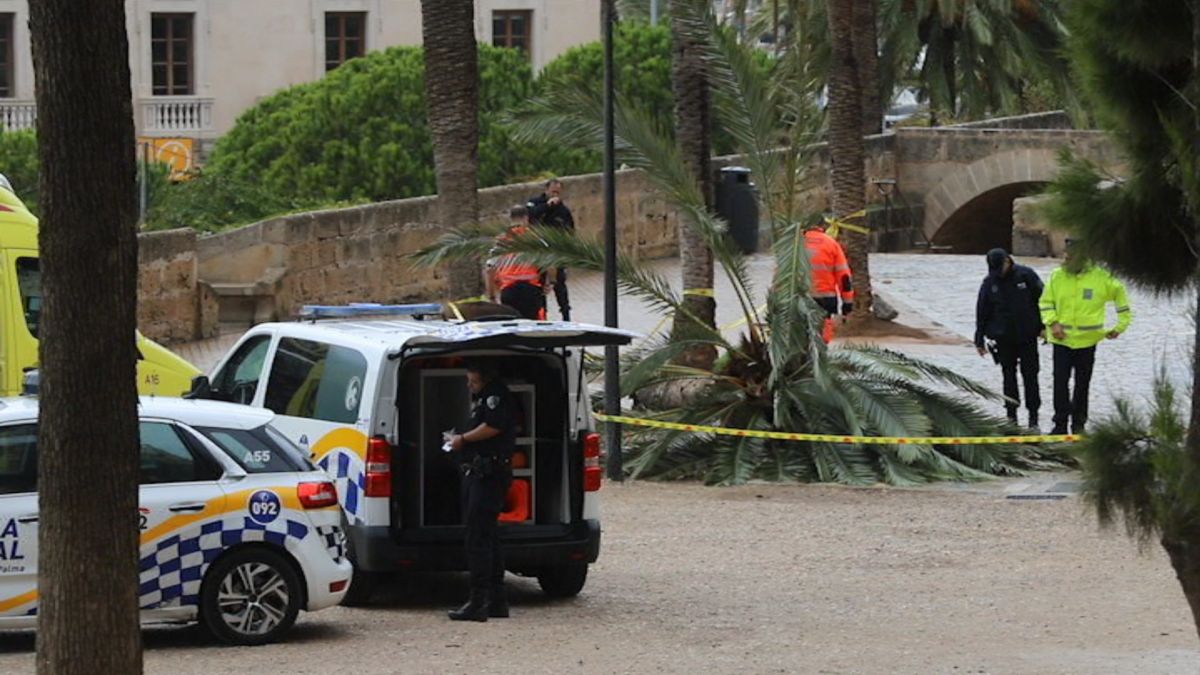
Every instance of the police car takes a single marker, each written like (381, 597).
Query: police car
(369, 399)
(238, 530)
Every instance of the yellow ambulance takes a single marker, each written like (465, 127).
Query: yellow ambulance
(159, 371)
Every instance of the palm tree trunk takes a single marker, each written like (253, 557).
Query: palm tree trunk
(950, 72)
(866, 55)
(87, 535)
(846, 149)
(452, 101)
(693, 132)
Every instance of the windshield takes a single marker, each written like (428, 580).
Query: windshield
(29, 283)
(261, 450)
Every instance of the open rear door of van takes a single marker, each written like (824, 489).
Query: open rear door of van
(520, 333)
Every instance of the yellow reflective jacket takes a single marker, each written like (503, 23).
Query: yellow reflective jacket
(1078, 301)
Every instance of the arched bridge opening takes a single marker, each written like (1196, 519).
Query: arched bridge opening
(985, 221)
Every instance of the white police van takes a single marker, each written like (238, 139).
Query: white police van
(370, 397)
(238, 530)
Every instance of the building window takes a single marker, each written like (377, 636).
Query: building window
(345, 37)
(6, 55)
(513, 29)
(171, 45)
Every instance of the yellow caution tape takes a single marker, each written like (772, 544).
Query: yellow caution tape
(743, 320)
(835, 225)
(702, 292)
(839, 438)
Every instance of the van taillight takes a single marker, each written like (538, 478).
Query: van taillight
(379, 468)
(592, 472)
(317, 495)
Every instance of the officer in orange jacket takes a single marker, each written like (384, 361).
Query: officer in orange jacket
(830, 274)
(520, 285)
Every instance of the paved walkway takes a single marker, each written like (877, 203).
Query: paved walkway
(934, 292)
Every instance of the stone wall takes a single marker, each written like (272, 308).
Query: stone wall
(172, 305)
(271, 268)
(267, 270)
(1055, 119)
(1032, 235)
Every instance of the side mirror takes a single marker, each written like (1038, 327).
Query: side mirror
(30, 382)
(201, 388)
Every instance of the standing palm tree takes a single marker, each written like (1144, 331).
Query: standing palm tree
(452, 99)
(88, 539)
(693, 132)
(778, 375)
(969, 56)
(846, 149)
(866, 55)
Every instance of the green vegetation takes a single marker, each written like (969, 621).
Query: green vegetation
(360, 132)
(778, 375)
(1139, 64)
(19, 163)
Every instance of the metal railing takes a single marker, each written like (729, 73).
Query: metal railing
(16, 115)
(174, 115)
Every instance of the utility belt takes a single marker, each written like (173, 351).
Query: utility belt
(486, 465)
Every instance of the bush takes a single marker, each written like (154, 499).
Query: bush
(643, 55)
(19, 162)
(211, 202)
(360, 133)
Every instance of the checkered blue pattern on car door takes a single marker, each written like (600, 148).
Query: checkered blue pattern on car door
(171, 569)
(348, 475)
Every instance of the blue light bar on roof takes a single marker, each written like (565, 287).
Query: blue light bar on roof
(367, 309)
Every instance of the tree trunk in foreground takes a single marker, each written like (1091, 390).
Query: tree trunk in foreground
(88, 434)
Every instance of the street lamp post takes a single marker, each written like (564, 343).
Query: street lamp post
(612, 381)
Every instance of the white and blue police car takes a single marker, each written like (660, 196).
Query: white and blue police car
(238, 530)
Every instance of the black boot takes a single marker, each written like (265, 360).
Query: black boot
(1033, 422)
(498, 608)
(476, 608)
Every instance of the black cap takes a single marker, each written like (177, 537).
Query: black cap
(996, 258)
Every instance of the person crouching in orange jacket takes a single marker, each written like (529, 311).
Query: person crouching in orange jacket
(520, 285)
(831, 279)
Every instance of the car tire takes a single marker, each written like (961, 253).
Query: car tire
(362, 588)
(250, 597)
(563, 581)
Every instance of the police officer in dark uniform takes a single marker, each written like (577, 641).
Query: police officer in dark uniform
(486, 460)
(1007, 313)
(548, 210)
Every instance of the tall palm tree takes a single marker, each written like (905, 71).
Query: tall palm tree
(693, 132)
(778, 375)
(846, 149)
(972, 57)
(88, 539)
(866, 56)
(452, 100)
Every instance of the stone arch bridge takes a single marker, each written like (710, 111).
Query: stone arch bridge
(959, 182)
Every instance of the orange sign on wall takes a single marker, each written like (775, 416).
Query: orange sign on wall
(174, 152)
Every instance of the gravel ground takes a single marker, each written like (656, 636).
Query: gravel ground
(762, 579)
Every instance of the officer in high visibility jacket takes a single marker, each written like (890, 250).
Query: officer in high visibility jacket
(830, 274)
(520, 285)
(1073, 309)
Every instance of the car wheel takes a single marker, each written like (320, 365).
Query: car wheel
(563, 581)
(250, 597)
(362, 587)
